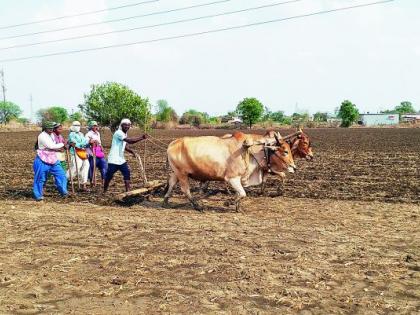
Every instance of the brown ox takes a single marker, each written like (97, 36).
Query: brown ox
(300, 145)
(301, 148)
(239, 160)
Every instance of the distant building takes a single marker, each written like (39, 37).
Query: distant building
(410, 117)
(334, 120)
(379, 119)
(235, 121)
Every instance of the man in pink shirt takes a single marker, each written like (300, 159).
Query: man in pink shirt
(46, 162)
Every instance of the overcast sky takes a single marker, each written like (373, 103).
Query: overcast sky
(369, 55)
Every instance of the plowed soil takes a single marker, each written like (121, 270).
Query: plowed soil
(343, 237)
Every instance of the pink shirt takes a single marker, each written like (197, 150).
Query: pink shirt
(45, 145)
(61, 156)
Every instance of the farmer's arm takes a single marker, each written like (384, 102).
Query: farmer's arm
(128, 149)
(133, 140)
(90, 139)
(79, 142)
(47, 142)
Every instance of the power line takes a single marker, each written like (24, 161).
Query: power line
(197, 33)
(78, 14)
(151, 26)
(116, 20)
(3, 85)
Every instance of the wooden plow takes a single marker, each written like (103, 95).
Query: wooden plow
(148, 188)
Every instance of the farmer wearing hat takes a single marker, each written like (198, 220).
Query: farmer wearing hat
(78, 153)
(46, 162)
(116, 159)
(95, 149)
(58, 138)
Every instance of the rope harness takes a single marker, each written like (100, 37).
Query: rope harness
(267, 158)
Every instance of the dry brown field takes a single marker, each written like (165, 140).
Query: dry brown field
(342, 238)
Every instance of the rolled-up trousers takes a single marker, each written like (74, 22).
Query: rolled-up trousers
(82, 168)
(41, 171)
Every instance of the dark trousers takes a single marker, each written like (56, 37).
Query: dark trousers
(113, 168)
(101, 165)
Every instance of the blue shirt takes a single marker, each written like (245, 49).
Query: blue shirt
(79, 139)
(116, 154)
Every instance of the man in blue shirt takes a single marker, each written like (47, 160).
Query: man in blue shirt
(116, 159)
(78, 154)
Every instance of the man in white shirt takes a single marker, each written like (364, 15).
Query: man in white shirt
(116, 159)
(46, 162)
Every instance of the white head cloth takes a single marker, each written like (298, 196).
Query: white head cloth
(75, 126)
(124, 121)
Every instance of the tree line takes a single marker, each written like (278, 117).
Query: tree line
(108, 103)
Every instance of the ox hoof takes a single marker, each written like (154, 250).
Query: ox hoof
(197, 206)
(165, 203)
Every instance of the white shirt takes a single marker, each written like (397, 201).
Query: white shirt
(116, 154)
(45, 141)
(92, 135)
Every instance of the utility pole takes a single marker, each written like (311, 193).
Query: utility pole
(3, 85)
(31, 108)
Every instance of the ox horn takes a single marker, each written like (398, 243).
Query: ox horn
(278, 137)
(293, 134)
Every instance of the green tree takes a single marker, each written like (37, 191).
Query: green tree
(287, 121)
(348, 113)
(297, 117)
(318, 116)
(278, 116)
(194, 118)
(215, 120)
(405, 108)
(388, 111)
(111, 102)
(164, 112)
(55, 113)
(9, 111)
(77, 116)
(251, 110)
